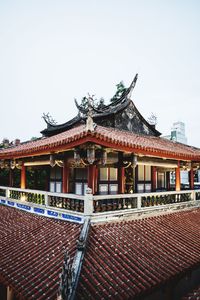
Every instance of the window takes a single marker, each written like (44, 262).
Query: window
(147, 173)
(108, 181)
(81, 174)
(58, 187)
(56, 174)
(55, 180)
(78, 188)
(113, 174)
(103, 189)
(161, 180)
(144, 173)
(144, 179)
(80, 180)
(140, 173)
(52, 187)
(103, 174)
(113, 188)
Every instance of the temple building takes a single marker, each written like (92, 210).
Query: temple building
(106, 164)
(111, 149)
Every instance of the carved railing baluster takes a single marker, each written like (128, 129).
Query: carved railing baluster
(43, 200)
(101, 203)
(197, 195)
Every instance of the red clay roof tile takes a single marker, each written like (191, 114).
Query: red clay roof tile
(32, 252)
(130, 258)
(116, 138)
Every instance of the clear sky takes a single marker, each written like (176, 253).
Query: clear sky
(54, 51)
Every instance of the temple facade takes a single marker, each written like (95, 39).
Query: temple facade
(111, 149)
(105, 164)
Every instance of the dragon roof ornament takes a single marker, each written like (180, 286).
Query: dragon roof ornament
(105, 108)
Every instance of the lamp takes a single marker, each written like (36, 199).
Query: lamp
(19, 164)
(104, 157)
(91, 154)
(77, 156)
(134, 161)
(52, 161)
(2, 164)
(12, 164)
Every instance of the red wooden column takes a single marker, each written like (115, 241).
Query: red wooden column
(92, 178)
(178, 177)
(121, 178)
(153, 178)
(168, 180)
(23, 176)
(191, 176)
(65, 177)
(96, 180)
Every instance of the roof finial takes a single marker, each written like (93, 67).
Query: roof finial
(133, 83)
(89, 121)
(49, 119)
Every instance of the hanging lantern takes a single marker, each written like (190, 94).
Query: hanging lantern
(91, 155)
(19, 164)
(12, 164)
(104, 157)
(189, 166)
(134, 161)
(2, 164)
(52, 161)
(77, 156)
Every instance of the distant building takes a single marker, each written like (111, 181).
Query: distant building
(177, 133)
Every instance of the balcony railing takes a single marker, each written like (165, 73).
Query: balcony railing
(69, 202)
(114, 202)
(162, 199)
(74, 207)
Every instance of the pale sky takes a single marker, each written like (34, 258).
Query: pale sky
(54, 51)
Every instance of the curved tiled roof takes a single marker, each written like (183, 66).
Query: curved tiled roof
(128, 259)
(115, 138)
(32, 251)
(123, 260)
(102, 113)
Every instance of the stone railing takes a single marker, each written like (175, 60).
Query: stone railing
(45, 203)
(166, 198)
(75, 207)
(58, 200)
(139, 201)
(197, 195)
(115, 202)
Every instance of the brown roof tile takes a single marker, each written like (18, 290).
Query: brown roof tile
(123, 260)
(116, 138)
(32, 252)
(128, 259)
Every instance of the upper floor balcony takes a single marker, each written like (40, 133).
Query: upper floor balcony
(75, 208)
